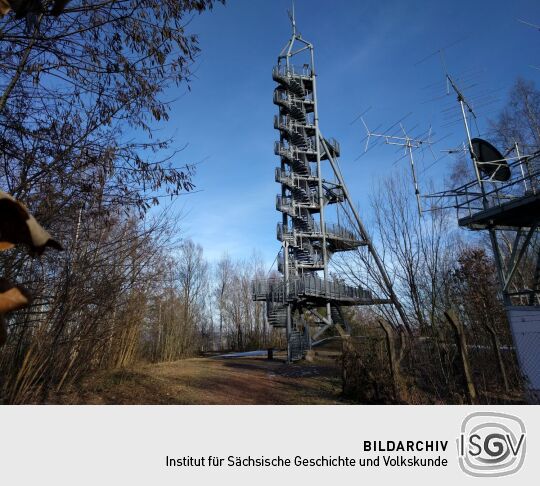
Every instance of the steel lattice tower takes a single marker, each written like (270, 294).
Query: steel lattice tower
(308, 241)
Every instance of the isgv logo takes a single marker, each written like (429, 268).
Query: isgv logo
(491, 444)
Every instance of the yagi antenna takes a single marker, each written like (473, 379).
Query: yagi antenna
(456, 150)
(409, 144)
(534, 26)
(464, 104)
(460, 97)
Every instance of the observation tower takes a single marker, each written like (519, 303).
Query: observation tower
(308, 240)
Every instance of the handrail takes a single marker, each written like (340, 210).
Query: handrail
(281, 175)
(516, 163)
(284, 122)
(308, 285)
(292, 70)
(286, 96)
(280, 148)
(334, 144)
(330, 230)
(315, 261)
(526, 182)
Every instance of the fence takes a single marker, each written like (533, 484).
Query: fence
(429, 369)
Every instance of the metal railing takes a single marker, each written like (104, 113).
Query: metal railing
(310, 286)
(284, 122)
(306, 266)
(334, 145)
(331, 231)
(292, 178)
(270, 289)
(335, 194)
(306, 257)
(288, 98)
(290, 206)
(314, 286)
(292, 151)
(524, 181)
(284, 71)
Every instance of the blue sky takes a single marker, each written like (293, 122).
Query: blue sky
(367, 55)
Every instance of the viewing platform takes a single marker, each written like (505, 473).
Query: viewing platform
(508, 204)
(312, 288)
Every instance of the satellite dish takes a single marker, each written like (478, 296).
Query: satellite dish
(490, 161)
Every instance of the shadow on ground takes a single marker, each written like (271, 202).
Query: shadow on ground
(206, 381)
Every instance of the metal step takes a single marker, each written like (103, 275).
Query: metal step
(298, 346)
(339, 319)
(276, 314)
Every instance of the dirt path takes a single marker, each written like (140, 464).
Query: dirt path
(211, 381)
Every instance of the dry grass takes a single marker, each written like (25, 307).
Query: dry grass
(212, 381)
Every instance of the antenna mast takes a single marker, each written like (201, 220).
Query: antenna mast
(464, 104)
(508, 200)
(409, 144)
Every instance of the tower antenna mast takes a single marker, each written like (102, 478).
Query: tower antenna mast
(463, 103)
(504, 200)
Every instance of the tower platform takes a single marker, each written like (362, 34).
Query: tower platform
(520, 212)
(511, 204)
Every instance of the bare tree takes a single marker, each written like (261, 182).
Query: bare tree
(81, 93)
(223, 276)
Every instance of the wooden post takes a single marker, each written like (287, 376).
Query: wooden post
(394, 362)
(461, 343)
(500, 363)
(349, 353)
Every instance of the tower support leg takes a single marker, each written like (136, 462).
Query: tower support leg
(288, 333)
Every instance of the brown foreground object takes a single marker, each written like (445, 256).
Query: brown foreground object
(12, 297)
(18, 226)
(25, 7)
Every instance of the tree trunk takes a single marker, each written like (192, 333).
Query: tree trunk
(393, 360)
(497, 348)
(461, 343)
